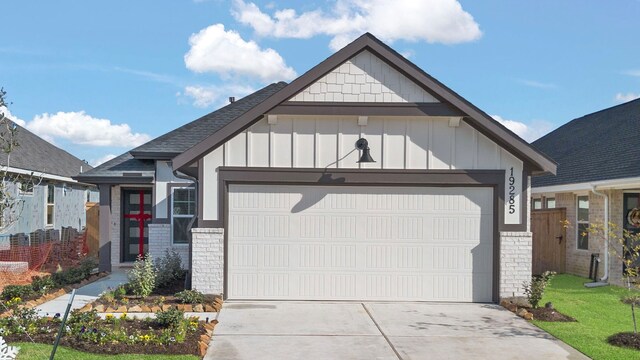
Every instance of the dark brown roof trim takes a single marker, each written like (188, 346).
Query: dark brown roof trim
(114, 179)
(365, 109)
(156, 155)
(476, 117)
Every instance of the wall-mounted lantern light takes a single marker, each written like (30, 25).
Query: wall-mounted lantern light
(363, 144)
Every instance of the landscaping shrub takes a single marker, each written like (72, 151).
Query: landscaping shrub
(534, 290)
(190, 297)
(42, 285)
(168, 269)
(17, 291)
(142, 278)
(171, 318)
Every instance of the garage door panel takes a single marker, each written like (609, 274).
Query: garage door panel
(356, 243)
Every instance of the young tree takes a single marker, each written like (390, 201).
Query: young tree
(628, 251)
(11, 205)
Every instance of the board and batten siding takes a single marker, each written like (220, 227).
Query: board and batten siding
(420, 143)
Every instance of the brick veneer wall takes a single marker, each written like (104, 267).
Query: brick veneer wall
(578, 261)
(515, 262)
(160, 241)
(207, 263)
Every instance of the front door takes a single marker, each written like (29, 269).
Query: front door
(136, 214)
(631, 222)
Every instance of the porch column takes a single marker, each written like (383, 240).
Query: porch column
(105, 228)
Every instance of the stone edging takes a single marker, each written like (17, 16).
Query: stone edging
(215, 307)
(50, 296)
(205, 339)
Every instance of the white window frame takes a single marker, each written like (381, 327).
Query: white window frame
(21, 192)
(581, 222)
(173, 189)
(47, 204)
(533, 200)
(546, 202)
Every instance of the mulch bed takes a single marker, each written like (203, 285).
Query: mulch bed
(626, 339)
(161, 299)
(193, 344)
(552, 315)
(33, 301)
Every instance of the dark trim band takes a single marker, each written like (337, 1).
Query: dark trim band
(365, 109)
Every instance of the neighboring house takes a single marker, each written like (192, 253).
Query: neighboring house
(598, 182)
(46, 195)
(285, 210)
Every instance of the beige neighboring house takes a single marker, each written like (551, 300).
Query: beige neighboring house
(597, 181)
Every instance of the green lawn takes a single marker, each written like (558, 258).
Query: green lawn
(599, 313)
(30, 351)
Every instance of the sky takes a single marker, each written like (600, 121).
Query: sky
(98, 78)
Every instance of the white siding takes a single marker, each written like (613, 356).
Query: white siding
(164, 176)
(364, 78)
(425, 143)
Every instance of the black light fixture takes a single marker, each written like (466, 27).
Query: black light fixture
(363, 144)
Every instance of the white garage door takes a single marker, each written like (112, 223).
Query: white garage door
(360, 243)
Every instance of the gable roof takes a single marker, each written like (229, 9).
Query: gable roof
(174, 142)
(33, 153)
(140, 160)
(604, 145)
(535, 160)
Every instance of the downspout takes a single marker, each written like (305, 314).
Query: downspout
(187, 280)
(605, 277)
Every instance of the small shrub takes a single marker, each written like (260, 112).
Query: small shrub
(17, 291)
(534, 290)
(88, 265)
(142, 278)
(190, 297)
(169, 269)
(42, 285)
(171, 318)
(120, 292)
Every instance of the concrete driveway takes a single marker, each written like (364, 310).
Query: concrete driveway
(384, 331)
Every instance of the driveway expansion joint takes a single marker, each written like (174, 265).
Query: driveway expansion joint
(386, 338)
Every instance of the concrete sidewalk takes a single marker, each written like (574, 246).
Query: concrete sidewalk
(276, 330)
(84, 295)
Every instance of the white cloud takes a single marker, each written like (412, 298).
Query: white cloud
(204, 96)
(433, 21)
(621, 97)
(537, 84)
(632, 73)
(216, 50)
(530, 132)
(101, 160)
(7, 113)
(80, 128)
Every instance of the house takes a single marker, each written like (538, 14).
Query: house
(364, 178)
(43, 191)
(597, 182)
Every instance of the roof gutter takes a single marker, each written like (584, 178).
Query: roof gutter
(605, 277)
(180, 175)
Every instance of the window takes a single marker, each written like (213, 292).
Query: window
(26, 188)
(50, 204)
(536, 204)
(183, 205)
(583, 223)
(551, 203)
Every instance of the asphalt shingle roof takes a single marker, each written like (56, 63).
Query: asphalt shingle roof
(604, 145)
(36, 154)
(188, 135)
(182, 138)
